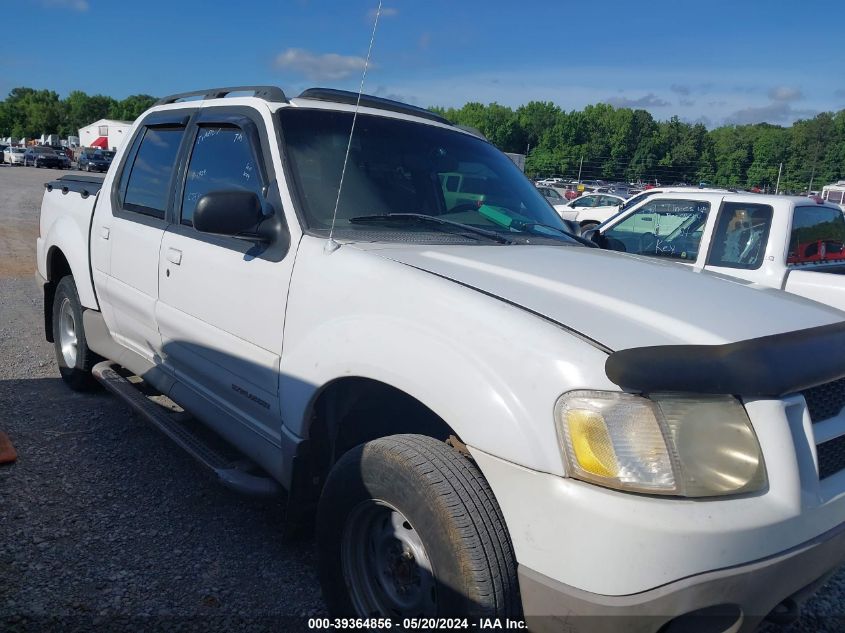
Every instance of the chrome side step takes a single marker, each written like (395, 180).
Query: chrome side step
(231, 469)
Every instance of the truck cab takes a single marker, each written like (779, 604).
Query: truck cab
(789, 243)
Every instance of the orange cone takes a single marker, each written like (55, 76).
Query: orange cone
(7, 451)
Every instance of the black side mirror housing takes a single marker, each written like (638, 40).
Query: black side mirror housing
(595, 236)
(235, 213)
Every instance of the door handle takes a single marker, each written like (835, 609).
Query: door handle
(104, 232)
(174, 256)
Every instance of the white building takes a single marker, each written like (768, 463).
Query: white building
(104, 133)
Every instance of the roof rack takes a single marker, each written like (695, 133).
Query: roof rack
(370, 101)
(268, 93)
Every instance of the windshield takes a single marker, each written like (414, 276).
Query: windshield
(399, 166)
(18, 150)
(44, 150)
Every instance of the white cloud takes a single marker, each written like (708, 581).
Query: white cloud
(325, 66)
(650, 100)
(775, 112)
(386, 12)
(785, 94)
(75, 5)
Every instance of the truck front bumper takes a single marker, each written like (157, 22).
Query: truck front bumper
(732, 599)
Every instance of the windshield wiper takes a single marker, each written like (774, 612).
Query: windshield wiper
(421, 217)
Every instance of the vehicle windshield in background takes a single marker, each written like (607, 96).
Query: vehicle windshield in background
(398, 167)
(44, 150)
(818, 234)
(104, 155)
(662, 228)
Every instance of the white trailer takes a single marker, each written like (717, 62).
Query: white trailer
(105, 133)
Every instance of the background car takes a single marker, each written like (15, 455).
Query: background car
(592, 209)
(62, 153)
(94, 159)
(14, 155)
(41, 156)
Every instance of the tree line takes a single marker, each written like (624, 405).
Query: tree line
(29, 113)
(600, 141)
(622, 144)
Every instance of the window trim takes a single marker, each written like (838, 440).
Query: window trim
(711, 249)
(168, 119)
(250, 120)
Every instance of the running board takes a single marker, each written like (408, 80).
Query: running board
(170, 419)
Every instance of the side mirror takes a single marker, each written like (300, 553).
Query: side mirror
(235, 213)
(595, 236)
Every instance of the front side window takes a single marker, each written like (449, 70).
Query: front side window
(148, 186)
(223, 159)
(585, 201)
(662, 228)
(741, 235)
(403, 167)
(818, 234)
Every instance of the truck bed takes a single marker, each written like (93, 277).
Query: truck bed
(86, 185)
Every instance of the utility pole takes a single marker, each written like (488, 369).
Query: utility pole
(777, 186)
(579, 168)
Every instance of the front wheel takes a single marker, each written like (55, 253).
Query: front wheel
(407, 527)
(73, 356)
(586, 226)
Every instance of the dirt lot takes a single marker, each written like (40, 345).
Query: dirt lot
(106, 525)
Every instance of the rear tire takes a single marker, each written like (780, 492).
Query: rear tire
(409, 527)
(73, 356)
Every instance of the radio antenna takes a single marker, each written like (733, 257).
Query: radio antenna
(331, 245)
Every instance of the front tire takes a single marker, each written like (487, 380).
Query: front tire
(73, 356)
(408, 527)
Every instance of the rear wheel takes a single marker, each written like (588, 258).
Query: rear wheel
(408, 527)
(74, 358)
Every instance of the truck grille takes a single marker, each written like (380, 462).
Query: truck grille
(825, 401)
(831, 457)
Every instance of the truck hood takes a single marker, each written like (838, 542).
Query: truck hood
(618, 301)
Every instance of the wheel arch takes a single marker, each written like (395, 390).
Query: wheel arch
(351, 410)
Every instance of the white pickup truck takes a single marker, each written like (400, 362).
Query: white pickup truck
(784, 242)
(487, 418)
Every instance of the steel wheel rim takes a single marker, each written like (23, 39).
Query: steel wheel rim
(385, 565)
(68, 341)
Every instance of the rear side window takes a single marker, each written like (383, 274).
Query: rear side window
(818, 234)
(148, 186)
(741, 235)
(223, 159)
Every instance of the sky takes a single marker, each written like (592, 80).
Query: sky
(717, 62)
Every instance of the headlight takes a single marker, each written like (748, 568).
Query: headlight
(691, 446)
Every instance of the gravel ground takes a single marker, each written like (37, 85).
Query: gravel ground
(106, 525)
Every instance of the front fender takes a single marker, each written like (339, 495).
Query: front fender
(491, 370)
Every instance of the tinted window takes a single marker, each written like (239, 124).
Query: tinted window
(222, 160)
(149, 180)
(741, 234)
(834, 196)
(400, 166)
(662, 228)
(818, 234)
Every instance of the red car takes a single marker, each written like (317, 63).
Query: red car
(818, 251)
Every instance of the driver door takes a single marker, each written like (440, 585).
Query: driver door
(222, 300)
